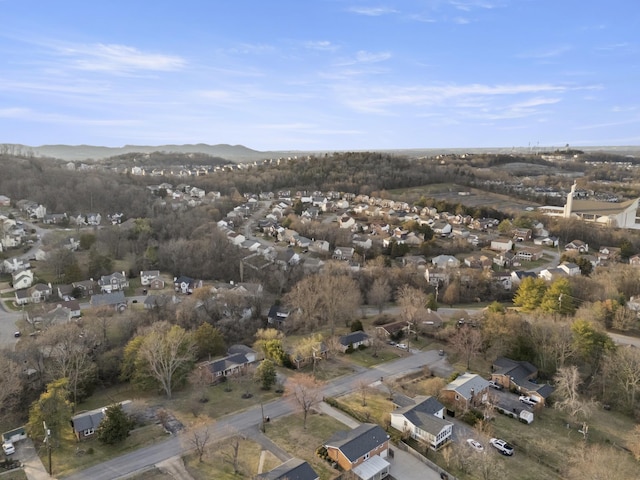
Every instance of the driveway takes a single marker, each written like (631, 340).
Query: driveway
(33, 467)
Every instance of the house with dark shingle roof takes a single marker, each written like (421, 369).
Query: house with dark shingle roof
(424, 421)
(354, 339)
(116, 300)
(294, 469)
(85, 424)
(520, 376)
(353, 449)
(235, 363)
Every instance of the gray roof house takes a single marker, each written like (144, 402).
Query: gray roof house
(116, 300)
(85, 424)
(424, 421)
(467, 391)
(362, 450)
(354, 339)
(294, 469)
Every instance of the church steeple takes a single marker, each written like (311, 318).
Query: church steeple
(568, 207)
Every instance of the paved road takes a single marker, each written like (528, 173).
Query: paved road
(175, 445)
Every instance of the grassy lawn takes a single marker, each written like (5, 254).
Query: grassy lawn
(217, 461)
(377, 405)
(289, 434)
(365, 357)
(331, 368)
(185, 404)
(65, 459)
(14, 475)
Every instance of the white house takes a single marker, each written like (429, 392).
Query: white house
(22, 279)
(424, 421)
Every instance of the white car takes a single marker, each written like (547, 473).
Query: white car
(476, 445)
(502, 446)
(402, 345)
(528, 401)
(8, 448)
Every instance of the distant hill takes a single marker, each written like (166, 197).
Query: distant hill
(240, 153)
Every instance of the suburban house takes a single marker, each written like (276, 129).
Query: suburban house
(577, 246)
(85, 287)
(529, 254)
(520, 376)
(294, 469)
(424, 421)
(343, 253)
(46, 317)
(116, 300)
(22, 279)
(233, 364)
(184, 284)
(36, 294)
(277, 315)
(362, 450)
(393, 330)
(445, 261)
(571, 268)
(113, 283)
(502, 244)
(354, 340)
(85, 424)
(467, 391)
(147, 276)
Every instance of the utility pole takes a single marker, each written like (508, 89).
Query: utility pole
(47, 439)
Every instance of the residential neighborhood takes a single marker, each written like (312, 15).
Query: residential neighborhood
(378, 332)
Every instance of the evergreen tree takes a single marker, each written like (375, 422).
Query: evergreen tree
(115, 425)
(266, 374)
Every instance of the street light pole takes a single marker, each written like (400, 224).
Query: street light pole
(47, 439)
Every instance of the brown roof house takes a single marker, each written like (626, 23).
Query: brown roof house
(424, 420)
(362, 450)
(467, 391)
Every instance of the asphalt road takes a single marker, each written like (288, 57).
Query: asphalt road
(223, 428)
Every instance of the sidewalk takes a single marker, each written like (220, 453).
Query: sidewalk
(33, 466)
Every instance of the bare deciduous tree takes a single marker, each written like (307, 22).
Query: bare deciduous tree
(305, 391)
(567, 391)
(199, 440)
(467, 341)
(379, 294)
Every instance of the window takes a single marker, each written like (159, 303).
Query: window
(89, 431)
(366, 456)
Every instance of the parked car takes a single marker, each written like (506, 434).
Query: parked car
(476, 445)
(527, 401)
(495, 385)
(402, 345)
(8, 448)
(502, 446)
(17, 334)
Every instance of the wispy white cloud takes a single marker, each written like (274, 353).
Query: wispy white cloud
(372, 11)
(535, 102)
(469, 5)
(379, 99)
(32, 115)
(461, 20)
(323, 45)
(364, 57)
(114, 58)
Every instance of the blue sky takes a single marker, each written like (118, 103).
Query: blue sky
(320, 74)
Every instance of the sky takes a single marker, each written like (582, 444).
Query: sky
(321, 74)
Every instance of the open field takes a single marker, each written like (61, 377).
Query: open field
(470, 197)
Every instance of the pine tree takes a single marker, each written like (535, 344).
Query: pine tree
(115, 425)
